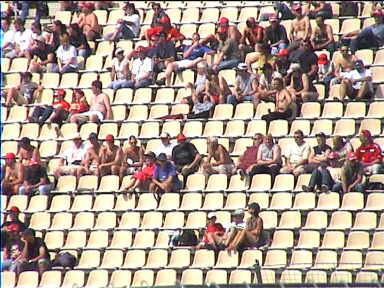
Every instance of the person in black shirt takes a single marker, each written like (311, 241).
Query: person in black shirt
(306, 58)
(77, 38)
(12, 246)
(319, 154)
(14, 215)
(36, 179)
(185, 156)
(275, 35)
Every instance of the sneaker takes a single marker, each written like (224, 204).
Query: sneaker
(160, 82)
(324, 188)
(307, 188)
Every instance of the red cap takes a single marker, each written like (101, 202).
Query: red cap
(181, 138)
(273, 17)
(14, 209)
(13, 228)
(296, 7)
(165, 20)
(223, 21)
(352, 156)
(10, 156)
(366, 133)
(222, 30)
(60, 92)
(377, 13)
(333, 155)
(323, 59)
(110, 138)
(283, 52)
(33, 162)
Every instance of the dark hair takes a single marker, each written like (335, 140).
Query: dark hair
(75, 27)
(132, 6)
(19, 21)
(299, 132)
(97, 84)
(37, 25)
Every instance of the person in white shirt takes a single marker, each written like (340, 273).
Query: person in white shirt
(128, 26)
(22, 38)
(166, 146)
(356, 84)
(142, 70)
(66, 56)
(120, 74)
(297, 156)
(7, 36)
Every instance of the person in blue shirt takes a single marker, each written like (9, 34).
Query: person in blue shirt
(192, 55)
(164, 177)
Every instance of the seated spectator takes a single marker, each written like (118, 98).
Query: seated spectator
(300, 26)
(275, 35)
(282, 64)
(170, 32)
(22, 40)
(306, 58)
(297, 156)
(351, 176)
(36, 30)
(200, 82)
(236, 226)
(318, 156)
(247, 162)
(128, 27)
(13, 175)
(341, 147)
(57, 112)
(141, 179)
(79, 103)
(223, 163)
(164, 178)
(100, 107)
(216, 88)
(246, 85)
(66, 56)
(142, 70)
(268, 158)
(35, 180)
(25, 93)
(71, 159)
(87, 21)
(322, 35)
(301, 87)
(223, 26)
(35, 255)
(356, 84)
(110, 156)
(369, 154)
(7, 36)
(14, 213)
(264, 89)
(193, 54)
(185, 156)
(13, 247)
(345, 62)
(158, 14)
(369, 37)
(92, 160)
(319, 7)
(26, 151)
(166, 146)
(251, 236)
(162, 53)
(120, 74)
(253, 33)
(78, 40)
(261, 56)
(133, 157)
(284, 104)
(202, 106)
(213, 234)
(41, 56)
(325, 68)
(56, 30)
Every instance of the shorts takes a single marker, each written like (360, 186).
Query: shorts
(184, 63)
(99, 115)
(216, 99)
(66, 170)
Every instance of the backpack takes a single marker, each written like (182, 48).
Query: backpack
(187, 238)
(375, 186)
(65, 260)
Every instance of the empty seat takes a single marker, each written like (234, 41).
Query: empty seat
(144, 239)
(325, 259)
(275, 259)
(192, 277)
(28, 279)
(291, 276)
(341, 277)
(143, 278)
(308, 239)
(50, 279)
(240, 277)
(203, 259)
(225, 260)
(216, 277)
(120, 278)
(333, 240)
(282, 239)
(180, 258)
(340, 220)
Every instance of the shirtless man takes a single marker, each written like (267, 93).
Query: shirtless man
(100, 106)
(87, 21)
(344, 62)
(13, 175)
(300, 26)
(133, 158)
(224, 27)
(322, 35)
(92, 160)
(27, 151)
(252, 234)
(110, 156)
(223, 163)
(284, 102)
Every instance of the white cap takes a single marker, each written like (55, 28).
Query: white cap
(119, 50)
(165, 135)
(211, 215)
(242, 66)
(294, 67)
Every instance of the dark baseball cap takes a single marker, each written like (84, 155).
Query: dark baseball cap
(29, 231)
(162, 157)
(150, 155)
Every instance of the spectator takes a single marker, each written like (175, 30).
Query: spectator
(25, 93)
(300, 26)
(318, 156)
(324, 67)
(66, 55)
(22, 38)
(26, 151)
(120, 74)
(282, 64)
(41, 56)
(298, 155)
(14, 213)
(185, 156)
(128, 27)
(71, 159)
(87, 21)
(236, 226)
(13, 247)
(301, 86)
(306, 58)
(319, 7)
(275, 35)
(35, 254)
(264, 89)
(158, 14)
(142, 179)
(202, 106)
(57, 29)
(166, 146)
(322, 35)
(341, 147)
(13, 175)
(7, 36)
(246, 85)
(247, 162)
(268, 158)
(79, 103)
(253, 33)
(110, 157)
(78, 40)
(223, 163)
(261, 56)
(284, 103)
(36, 179)
(213, 233)
(133, 157)
(164, 177)
(170, 33)
(252, 234)
(351, 176)
(216, 88)
(163, 53)
(200, 83)
(231, 30)
(92, 160)
(193, 54)
(142, 70)
(57, 112)
(100, 106)
(369, 154)
(36, 30)
(357, 84)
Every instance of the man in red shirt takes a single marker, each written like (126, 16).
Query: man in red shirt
(369, 153)
(165, 26)
(254, 33)
(213, 233)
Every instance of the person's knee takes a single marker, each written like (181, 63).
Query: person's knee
(93, 118)
(22, 190)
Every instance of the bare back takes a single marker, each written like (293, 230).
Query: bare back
(283, 100)
(299, 27)
(221, 153)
